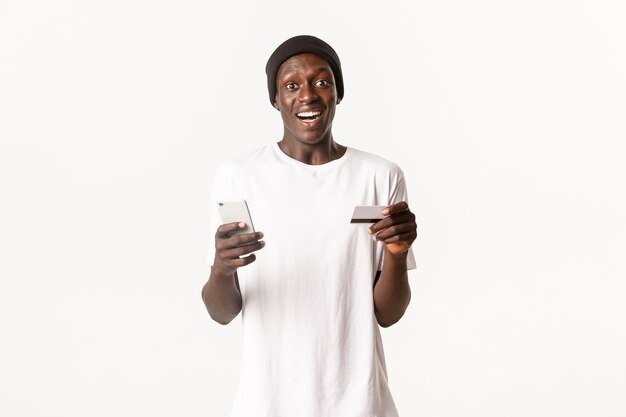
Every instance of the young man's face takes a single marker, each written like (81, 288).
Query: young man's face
(306, 97)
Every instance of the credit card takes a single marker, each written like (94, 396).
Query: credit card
(367, 214)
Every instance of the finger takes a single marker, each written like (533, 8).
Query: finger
(238, 240)
(396, 229)
(408, 237)
(227, 228)
(396, 208)
(380, 225)
(397, 218)
(240, 251)
(239, 262)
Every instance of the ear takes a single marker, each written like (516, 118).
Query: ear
(276, 101)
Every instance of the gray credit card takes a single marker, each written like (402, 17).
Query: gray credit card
(367, 214)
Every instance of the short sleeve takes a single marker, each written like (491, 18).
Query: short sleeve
(221, 189)
(398, 192)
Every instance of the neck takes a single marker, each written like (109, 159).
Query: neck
(313, 154)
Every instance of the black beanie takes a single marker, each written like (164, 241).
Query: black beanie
(300, 45)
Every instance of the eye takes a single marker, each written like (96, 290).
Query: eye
(290, 86)
(321, 83)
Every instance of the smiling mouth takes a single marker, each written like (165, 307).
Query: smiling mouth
(309, 116)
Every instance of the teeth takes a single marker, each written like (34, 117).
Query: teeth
(309, 114)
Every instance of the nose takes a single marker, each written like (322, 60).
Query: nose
(307, 93)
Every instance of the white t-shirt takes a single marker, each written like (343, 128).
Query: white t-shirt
(311, 342)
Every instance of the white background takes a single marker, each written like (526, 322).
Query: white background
(507, 118)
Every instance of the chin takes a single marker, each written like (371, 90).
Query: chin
(313, 137)
(311, 140)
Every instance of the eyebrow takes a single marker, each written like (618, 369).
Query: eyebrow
(288, 70)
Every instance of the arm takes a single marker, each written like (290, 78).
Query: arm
(221, 293)
(392, 292)
(222, 297)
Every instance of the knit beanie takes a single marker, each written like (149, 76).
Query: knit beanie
(300, 45)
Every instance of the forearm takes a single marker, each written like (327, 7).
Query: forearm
(221, 296)
(392, 292)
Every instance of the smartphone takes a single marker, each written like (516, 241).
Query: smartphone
(236, 211)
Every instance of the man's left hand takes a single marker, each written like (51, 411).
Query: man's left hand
(397, 230)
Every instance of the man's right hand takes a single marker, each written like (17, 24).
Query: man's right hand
(232, 252)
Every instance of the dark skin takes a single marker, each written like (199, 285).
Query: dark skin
(392, 293)
(305, 86)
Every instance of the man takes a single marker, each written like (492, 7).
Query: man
(313, 300)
